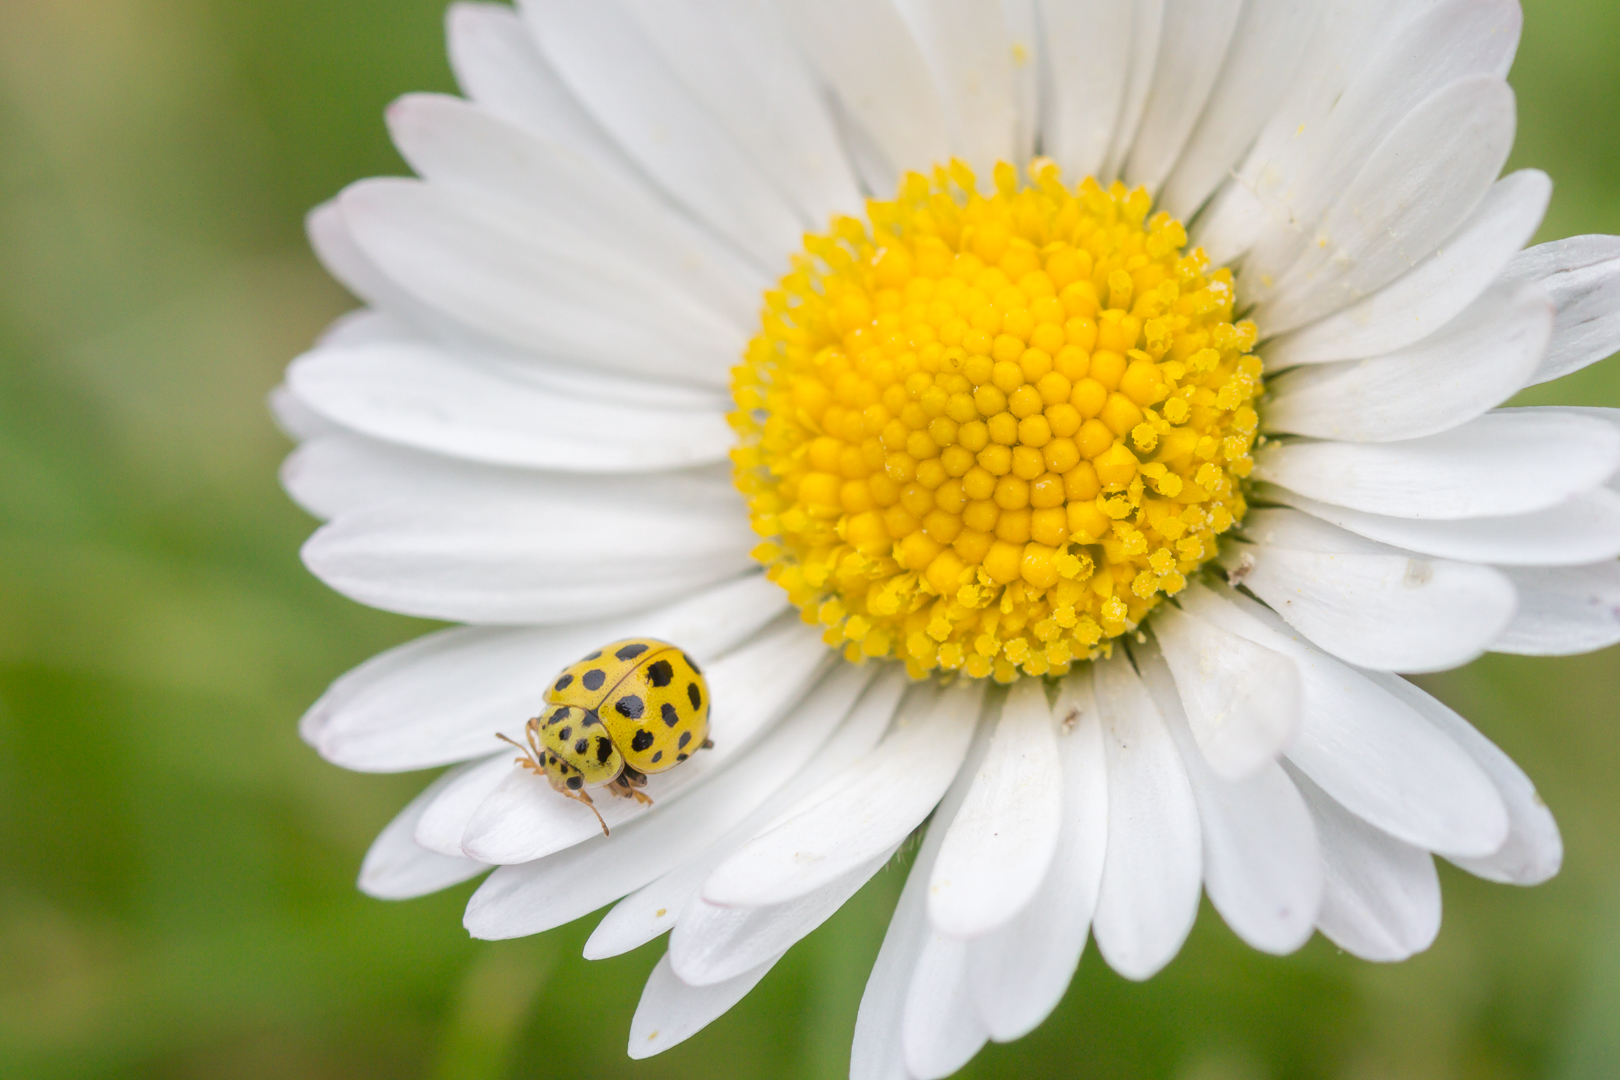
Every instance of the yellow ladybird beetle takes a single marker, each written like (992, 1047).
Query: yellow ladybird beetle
(631, 708)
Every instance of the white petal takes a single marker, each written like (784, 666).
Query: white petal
(1262, 867)
(879, 1049)
(750, 689)
(1266, 51)
(396, 867)
(1584, 529)
(713, 944)
(1416, 189)
(296, 419)
(1512, 461)
(871, 61)
(1382, 900)
(1029, 78)
(870, 806)
(939, 1029)
(520, 278)
(454, 143)
(737, 59)
(1534, 851)
(670, 1012)
(1371, 605)
(444, 818)
(970, 55)
(498, 65)
(1564, 610)
(1309, 160)
(423, 398)
(1192, 50)
(1428, 296)
(367, 329)
(656, 906)
(1242, 700)
(1369, 750)
(532, 550)
(536, 896)
(1154, 866)
(613, 68)
(1086, 51)
(1347, 38)
(442, 697)
(343, 472)
(335, 247)
(1582, 274)
(1477, 361)
(1147, 30)
(1002, 841)
(1018, 973)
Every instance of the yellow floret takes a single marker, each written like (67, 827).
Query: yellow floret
(989, 434)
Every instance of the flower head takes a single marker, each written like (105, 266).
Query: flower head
(1114, 387)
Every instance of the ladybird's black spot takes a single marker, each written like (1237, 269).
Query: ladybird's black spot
(660, 672)
(604, 750)
(565, 732)
(642, 740)
(658, 757)
(593, 679)
(686, 737)
(558, 715)
(564, 682)
(671, 716)
(630, 707)
(631, 651)
(593, 656)
(681, 757)
(575, 783)
(589, 721)
(691, 663)
(582, 745)
(694, 695)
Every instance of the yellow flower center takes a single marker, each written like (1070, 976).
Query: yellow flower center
(988, 434)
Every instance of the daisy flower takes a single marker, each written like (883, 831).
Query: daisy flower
(1049, 424)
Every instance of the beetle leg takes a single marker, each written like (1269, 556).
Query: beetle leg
(530, 759)
(628, 784)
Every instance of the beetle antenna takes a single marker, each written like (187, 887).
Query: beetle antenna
(527, 755)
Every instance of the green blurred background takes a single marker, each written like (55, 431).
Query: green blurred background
(176, 868)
